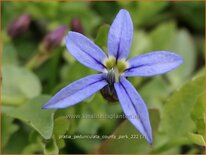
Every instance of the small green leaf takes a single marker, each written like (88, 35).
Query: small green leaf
(176, 120)
(19, 85)
(128, 139)
(35, 144)
(61, 126)
(32, 148)
(31, 112)
(34, 137)
(51, 147)
(196, 138)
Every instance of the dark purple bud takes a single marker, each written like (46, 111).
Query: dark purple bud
(76, 25)
(54, 38)
(19, 26)
(109, 93)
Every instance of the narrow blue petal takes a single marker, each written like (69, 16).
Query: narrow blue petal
(153, 63)
(120, 35)
(76, 91)
(85, 51)
(134, 107)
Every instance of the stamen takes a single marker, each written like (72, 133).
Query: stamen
(110, 62)
(122, 65)
(115, 69)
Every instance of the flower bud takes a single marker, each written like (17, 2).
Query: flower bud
(76, 25)
(53, 39)
(109, 93)
(19, 26)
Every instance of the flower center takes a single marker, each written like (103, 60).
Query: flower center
(115, 68)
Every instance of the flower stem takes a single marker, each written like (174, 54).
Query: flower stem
(37, 60)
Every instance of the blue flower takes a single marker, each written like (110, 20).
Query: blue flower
(114, 68)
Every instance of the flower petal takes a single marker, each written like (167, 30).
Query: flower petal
(120, 35)
(153, 63)
(85, 51)
(77, 91)
(134, 107)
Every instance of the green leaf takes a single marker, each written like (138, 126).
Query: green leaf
(198, 115)
(17, 142)
(39, 145)
(19, 85)
(155, 92)
(32, 148)
(164, 146)
(160, 41)
(128, 139)
(196, 138)
(8, 128)
(176, 120)
(140, 43)
(36, 143)
(51, 147)
(102, 35)
(183, 45)
(70, 74)
(31, 113)
(9, 55)
(61, 126)
(100, 106)
(84, 126)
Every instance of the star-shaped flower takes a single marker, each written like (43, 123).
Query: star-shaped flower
(114, 68)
